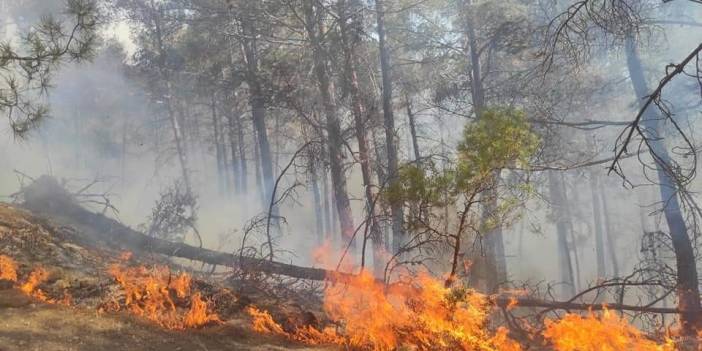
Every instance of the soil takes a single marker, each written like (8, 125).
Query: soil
(43, 327)
(78, 268)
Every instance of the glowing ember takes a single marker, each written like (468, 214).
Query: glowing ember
(151, 292)
(592, 333)
(8, 269)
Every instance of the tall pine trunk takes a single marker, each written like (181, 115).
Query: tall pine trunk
(349, 43)
(558, 204)
(609, 235)
(688, 293)
(257, 98)
(234, 145)
(335, 138)
(413, 130)
(317, 197)
(389, 124)
(598, 227)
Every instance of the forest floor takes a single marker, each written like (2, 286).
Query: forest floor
(60, 328)
(28, 324)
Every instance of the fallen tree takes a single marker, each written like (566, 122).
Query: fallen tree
(46, 197)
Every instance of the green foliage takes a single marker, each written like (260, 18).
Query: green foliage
(499, 139)
(28, 63)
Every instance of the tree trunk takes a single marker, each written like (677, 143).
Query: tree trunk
(167, 94)
(335, 138)
(180, 148)
(688, 293)
(348, 40)
(327, 204)
(318, 213)
(221, 162)
(568, 211)
(413, 130)
(234, 145)
(259, 185)
(477, 90)
(599, 233)
(559, 216)
(243, 178)
(389, 124)
(380, 173)
(257, 99)
(611, 243)
(495, 242)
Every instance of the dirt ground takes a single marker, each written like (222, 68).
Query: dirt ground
(40, 327)
(27, 324)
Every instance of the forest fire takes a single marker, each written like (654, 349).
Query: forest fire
(155, 294)
(405, 175)
(8, 271)
(425, 315)
(574, 332)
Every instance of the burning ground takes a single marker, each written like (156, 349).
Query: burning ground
(63, 287)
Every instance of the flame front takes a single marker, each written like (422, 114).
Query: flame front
(8, 269)
(151, 292)
(425, 315)
(607, 332)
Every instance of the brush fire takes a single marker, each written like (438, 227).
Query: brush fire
(348, 308)
(362, 175)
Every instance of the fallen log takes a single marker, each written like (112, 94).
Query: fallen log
(507, 302)
(47, 197)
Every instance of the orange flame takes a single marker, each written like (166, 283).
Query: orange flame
(8, 269)
(148, 293)
(262, 322)
(198, 315)
(595, 333)
(426, 316)
(38, 276)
